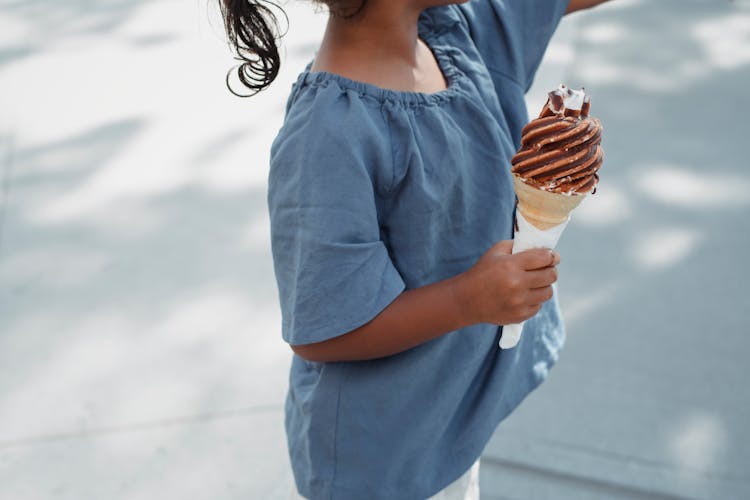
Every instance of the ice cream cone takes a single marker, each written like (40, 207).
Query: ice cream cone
(541, 219)
(553, 171)
(544, 209)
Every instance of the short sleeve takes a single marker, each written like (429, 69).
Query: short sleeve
(512, 35)
(334, 272)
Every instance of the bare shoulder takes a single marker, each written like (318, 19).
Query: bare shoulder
(357, 67)
(382, 72)
(575, 5)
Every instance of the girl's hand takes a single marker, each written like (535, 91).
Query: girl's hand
(502, 288)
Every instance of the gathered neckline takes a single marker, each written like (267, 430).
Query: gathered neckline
(410, 98)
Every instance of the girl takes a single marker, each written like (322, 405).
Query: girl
(391, 207)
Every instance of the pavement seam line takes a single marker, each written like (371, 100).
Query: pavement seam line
(137, 426)
(576, 478)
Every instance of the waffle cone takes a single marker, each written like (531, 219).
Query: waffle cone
(544, 209)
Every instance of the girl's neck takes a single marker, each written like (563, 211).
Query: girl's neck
(382, 31)
(381, 46)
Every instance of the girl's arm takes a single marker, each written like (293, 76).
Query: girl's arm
(500, 288)
(575, 5)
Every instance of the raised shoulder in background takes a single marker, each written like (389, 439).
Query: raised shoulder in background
(575, 5)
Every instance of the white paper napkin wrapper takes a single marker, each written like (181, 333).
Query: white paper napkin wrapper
(525, 238)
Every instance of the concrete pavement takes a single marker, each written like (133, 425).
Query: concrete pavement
(140, 354)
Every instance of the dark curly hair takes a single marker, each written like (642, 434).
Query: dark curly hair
(252, 31)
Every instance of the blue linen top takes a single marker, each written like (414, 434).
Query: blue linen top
(373, 191)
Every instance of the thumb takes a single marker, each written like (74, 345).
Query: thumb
(504, 246)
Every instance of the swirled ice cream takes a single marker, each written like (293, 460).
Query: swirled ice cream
(561, 149)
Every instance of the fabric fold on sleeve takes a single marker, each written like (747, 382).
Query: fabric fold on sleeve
(333, 271)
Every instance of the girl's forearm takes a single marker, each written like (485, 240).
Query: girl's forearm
(415, 317)
(501, 288)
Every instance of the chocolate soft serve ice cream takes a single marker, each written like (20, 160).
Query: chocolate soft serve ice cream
(560, 150)
(553, 171)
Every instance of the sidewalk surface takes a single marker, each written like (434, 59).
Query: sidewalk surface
(140, 353)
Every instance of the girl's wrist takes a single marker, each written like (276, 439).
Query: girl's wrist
(460, 289)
